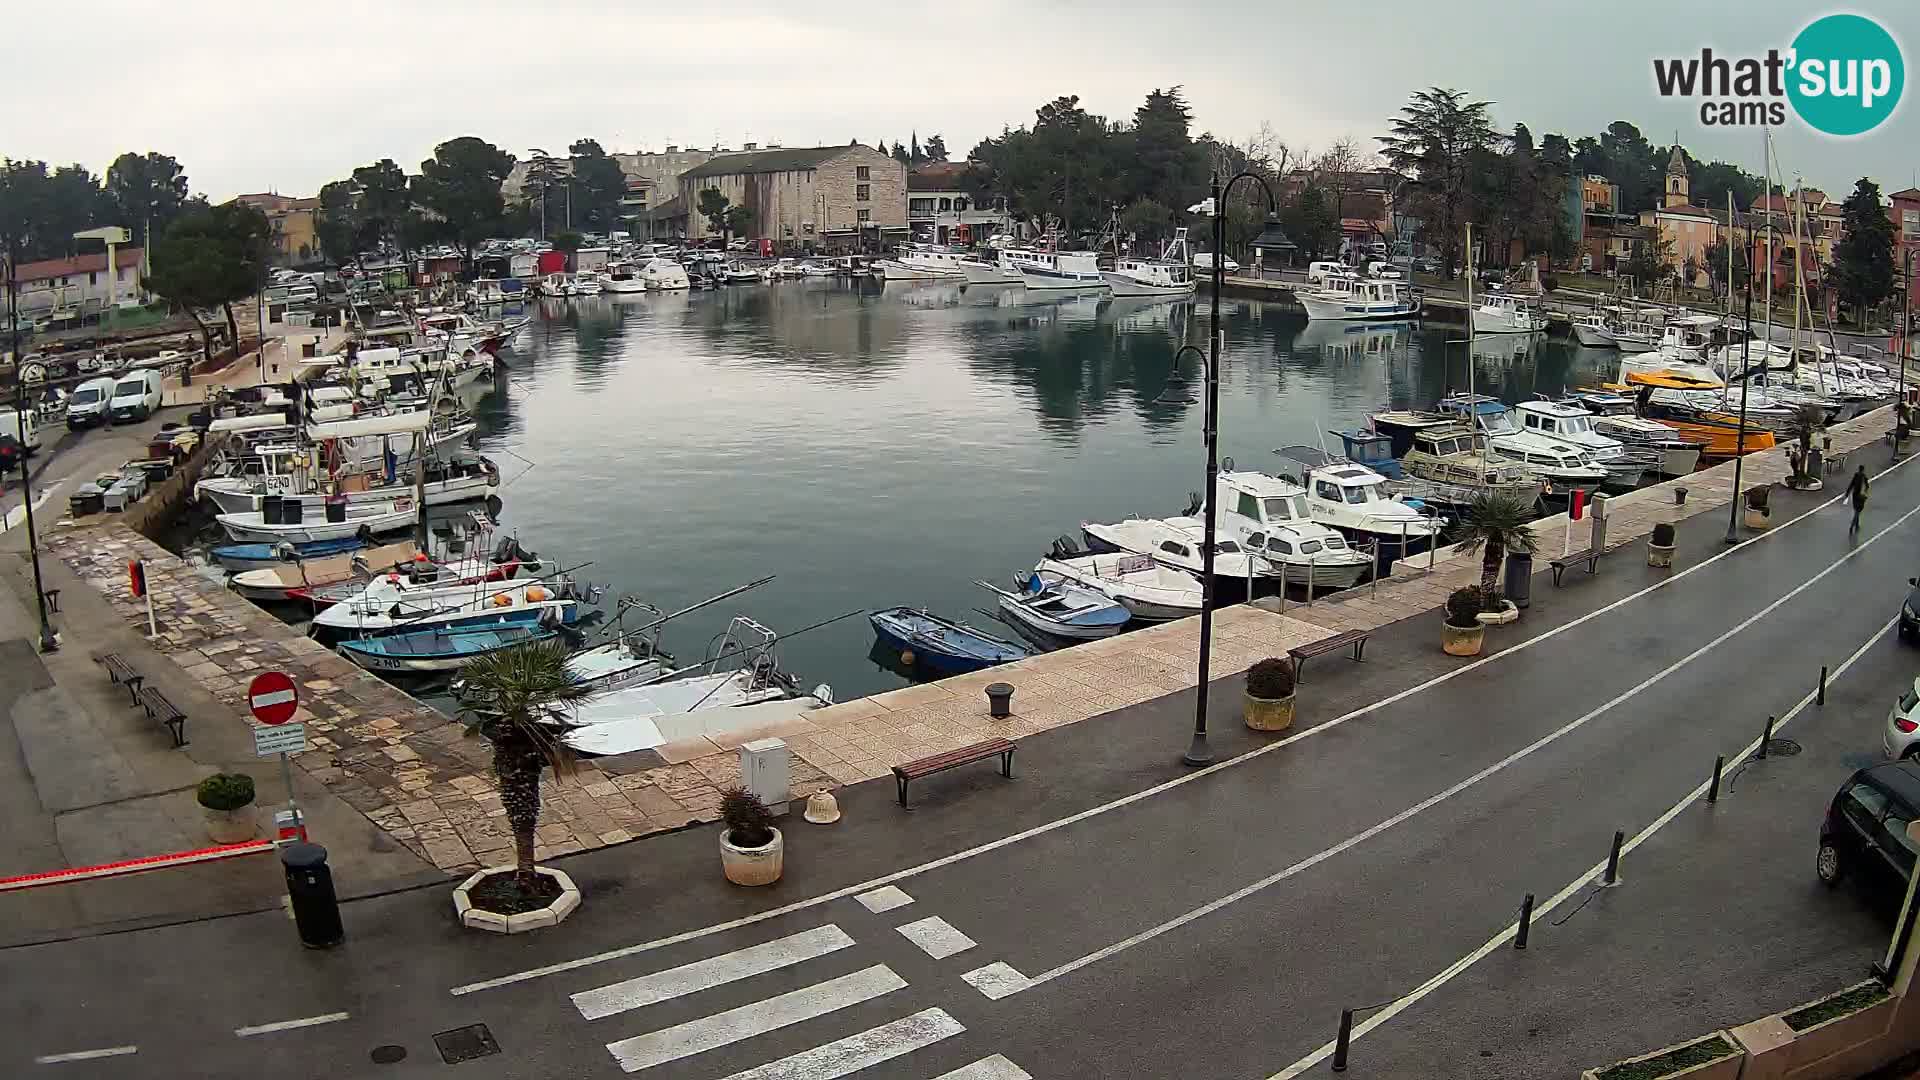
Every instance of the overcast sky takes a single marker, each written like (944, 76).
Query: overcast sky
(277, 96)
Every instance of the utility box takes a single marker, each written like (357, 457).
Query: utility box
(764, 771)
(1599, 511)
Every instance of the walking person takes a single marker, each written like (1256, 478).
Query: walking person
(1857, 495)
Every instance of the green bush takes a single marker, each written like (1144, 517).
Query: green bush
(1271, 678)
(1663, 535)
(749, 822)
(1463, 606)
(225, 791)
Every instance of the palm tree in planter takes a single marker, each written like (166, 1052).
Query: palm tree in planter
(1808, 420)
(1495, 524)
(513, 698)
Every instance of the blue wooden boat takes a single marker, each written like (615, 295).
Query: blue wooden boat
(1061, 608)
(443, 648)
(256, 556)
(941, 644)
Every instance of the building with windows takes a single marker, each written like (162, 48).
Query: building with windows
(1685, 230)
(820, 198)
(291, 220)
(81, 286)
(1904, 210)
(940, 210)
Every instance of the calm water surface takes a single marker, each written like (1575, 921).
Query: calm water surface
(880, 446)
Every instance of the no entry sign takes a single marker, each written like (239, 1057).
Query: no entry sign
(273, 698)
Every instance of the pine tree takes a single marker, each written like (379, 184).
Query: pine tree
(1863, 260)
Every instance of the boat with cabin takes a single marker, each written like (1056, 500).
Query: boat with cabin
(1042, 271)
(924, 262)
(1001, 270)
(1454, 457)
(1350, 297)
(622, 277)
(1614, 416)
(1169, 275)
(1176, 542)
(1561, 464)
(1570, 423)
(1595, 330)
(1505, 313)
(1270, 517)
(1353, 499)
(1150, 591)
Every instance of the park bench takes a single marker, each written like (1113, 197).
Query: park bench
(122, 673)
(1584, 555)
(953, 759)
(162, 711)
(1354, 639)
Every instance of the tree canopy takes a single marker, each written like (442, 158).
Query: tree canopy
(1863, 270)
(598, 187)
(1442, 139)
(143, 188)
(460, 185)
(210, 258)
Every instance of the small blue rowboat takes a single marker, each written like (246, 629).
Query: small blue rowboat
(443, 648)
(941, 644)
(256, 556)
(1061, 608)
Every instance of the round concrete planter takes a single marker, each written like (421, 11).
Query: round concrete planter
(752, 866)
(1757, 520)
(1462, 640)
(1507, 613)
(1267, 714)
(1658, 555)
(230, 826)
(493, 922)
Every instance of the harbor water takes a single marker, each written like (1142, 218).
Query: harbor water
(875, 445)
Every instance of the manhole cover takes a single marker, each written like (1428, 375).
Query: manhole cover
(465, 1044)
(1782, 748)
(388, 1054)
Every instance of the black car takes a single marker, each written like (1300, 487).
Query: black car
(1910, 611)
(1866, 826)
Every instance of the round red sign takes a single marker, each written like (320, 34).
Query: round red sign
(273, 697)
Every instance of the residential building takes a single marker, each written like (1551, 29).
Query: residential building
(294, 240)
(1363, 201)
(940, 209)
(821, 198)
(1904, 211)
(81, 286)
(1593, 215)
(1686, 230)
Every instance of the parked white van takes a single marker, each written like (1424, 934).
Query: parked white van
(12, 425)
(1317, 273)
(136, 396)
(87, 405)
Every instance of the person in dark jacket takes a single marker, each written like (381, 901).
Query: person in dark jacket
(1857, 495)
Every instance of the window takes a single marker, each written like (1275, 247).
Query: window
(1863, 805)
(862, 172)
(1278, 510)
(787, 229)
(1357, 495)
(1257, 540)
(93, 277)
(1327, 490)
(863, 193)
(960, 205)
(1281, 546)
(1309, 547)
(865, 215)
(1249, 506)
(809, 228)
(946, 204)
(1226, 547)
(1172, 548)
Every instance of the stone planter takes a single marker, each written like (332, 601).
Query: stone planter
(1723, 1067)
(1757, 520)
(1267, 714)
(1507, 613)
(1461, 640)
(552, 915)
(1659, 555)
(752, 866)
(1823, 1041)
(230, 826)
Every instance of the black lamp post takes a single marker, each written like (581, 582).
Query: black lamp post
(1199, 753)
(48, 642)
(1746, 380)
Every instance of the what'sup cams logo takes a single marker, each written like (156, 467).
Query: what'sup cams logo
(1843, 76)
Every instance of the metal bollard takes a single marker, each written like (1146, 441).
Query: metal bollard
(1613, 861)
(1340, 1042)
(1765, 738)
(1310, 561)
(1713, 791)
(1526, 922)
(1821, 698)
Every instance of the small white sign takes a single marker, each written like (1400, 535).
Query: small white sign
(279, 739)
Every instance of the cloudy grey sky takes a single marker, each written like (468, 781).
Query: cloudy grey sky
(255, 95)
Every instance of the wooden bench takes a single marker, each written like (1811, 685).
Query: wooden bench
(122, 673)
(1356, 639)
(953, 759)
(160, 710)
(1584, 555)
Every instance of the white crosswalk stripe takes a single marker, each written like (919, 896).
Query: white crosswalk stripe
(988, 1068)
(714, 971)
(936, 937)
(855, 1052)
(733, 1025)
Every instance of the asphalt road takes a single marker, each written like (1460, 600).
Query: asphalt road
(1116, 920)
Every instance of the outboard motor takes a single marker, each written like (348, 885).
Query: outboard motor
(1064, 547)
(1194, 502)
(286, 552)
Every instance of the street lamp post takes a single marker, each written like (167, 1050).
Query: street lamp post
(48, 642)
(1746, 380)
(1199, 753)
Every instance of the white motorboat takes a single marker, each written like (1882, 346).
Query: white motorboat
(1686, 338)
(664, 275)
(1002, 271)
(1270, 517)
(1504, 313)
(1060, 607)
(1349, 497)
(1350, 297)
(1573, 424)
(276, 522)
(1176, 542)
(1560, 463)
(924, 262)
(296, 578)
(586, 285)
(1614, 417)
(1151, 592)
(1594, 330)
(386, 605)
(626, 661)
(1044, 270)
(1169, 275)
(556, 285)
(622, 277)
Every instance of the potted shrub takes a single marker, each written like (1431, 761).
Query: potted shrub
(1462, 633)
(1495, 525)
(226, 797)
(1269, 699)
(751, 849)
(1660, 546)
(1758, 515)
(1803, 462)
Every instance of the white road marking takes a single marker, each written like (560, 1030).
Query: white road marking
(1447, 793)
(18, 514)
(936, 937)
(996, 980)
(720, 1029)
(713, 971)
(1145, 793)
(85, 1055)
(884, 899)
(288, 1025)
(1573, 888)
(855, 1052)
(988, 1068)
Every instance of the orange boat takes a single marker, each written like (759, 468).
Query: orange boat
(1719, 430)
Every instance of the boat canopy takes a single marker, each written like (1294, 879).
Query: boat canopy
(262, 422)
(408, 423)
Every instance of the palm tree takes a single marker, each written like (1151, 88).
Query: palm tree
(1807, 421)
(508, 697)
(1496, 523)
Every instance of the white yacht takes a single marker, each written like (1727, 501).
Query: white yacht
(1560, 463)
(1270, 517)
(1346, 495)
(1505, 313)
(622, 277)
(664, 275)
(1043, 270)
(1687, 337)
(1176, 542)
(1169, 275)
(924, 262)
(1570, 423)
(1150, 591)
(1351, 297)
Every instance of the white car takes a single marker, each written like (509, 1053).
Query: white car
(1903, 728)
(1204, 261)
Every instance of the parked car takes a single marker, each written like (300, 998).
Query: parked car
(1204, 261)
(1903, 726)
(1866, 827)
(135, 397)
(1910, 611)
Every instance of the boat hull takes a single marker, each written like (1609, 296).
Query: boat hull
(1124, 286)
(1049, 280)
(892, 270)
(460, 647)
(243, 531)
(1324, 309)
(1488, 322)
(988, 275)
(1593, 337)
(439, 493)
(1034, 620)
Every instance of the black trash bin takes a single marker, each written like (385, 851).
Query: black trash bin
(310, 887)
(270, 512)
(1519, 583)
(337, 508)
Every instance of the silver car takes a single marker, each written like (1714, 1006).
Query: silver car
(1903, 726)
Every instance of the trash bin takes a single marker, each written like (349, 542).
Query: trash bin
(310, 889)
(1519, 583)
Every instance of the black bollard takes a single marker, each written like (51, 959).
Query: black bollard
(1765, 738)
(1713, 791)
(1821, 698)
(1526, 922)
(1340, 1043)
(316, 912)
(1613, 861)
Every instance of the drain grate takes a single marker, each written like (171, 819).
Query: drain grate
(465, 1044)
(388, 1054)
(1782, 748)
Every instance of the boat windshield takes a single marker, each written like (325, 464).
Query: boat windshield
(1497, 423)
(1226, 547)
(1358, 495)
(1285, 507)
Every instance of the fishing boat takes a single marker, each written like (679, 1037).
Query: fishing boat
(1176, 542)
(1595, 331)
(1454, 458)
(1149, 591)
(1269, 516)
(1042, 271)
(939, 644)
(1355, 501)
(622, 277)
(240, 557)
(288, 580)
(1573, 424)
(1061, 608)
(1351, 298)
(1000, 271)
(460, 477)
(278, 521)
(385, 607)
(1614, 416)
(924, 262)
(1169, 275)
(446, 648)
(1504, 313)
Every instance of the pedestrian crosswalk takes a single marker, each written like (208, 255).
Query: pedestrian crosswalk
(788, 958)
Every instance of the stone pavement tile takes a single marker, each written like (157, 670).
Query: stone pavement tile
(910, 696)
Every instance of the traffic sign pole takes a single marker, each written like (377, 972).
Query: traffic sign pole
(274, 699)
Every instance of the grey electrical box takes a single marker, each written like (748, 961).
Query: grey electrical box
(763, 771)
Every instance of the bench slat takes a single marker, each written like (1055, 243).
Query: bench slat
(1329, 644)
(964, 755)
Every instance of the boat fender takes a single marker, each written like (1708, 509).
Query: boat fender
(535, 594)
(906, 657)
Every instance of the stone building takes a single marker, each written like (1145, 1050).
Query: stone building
(1687, 230)
(291, 219)
(821, 198)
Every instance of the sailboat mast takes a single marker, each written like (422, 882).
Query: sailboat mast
(1473, 415)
